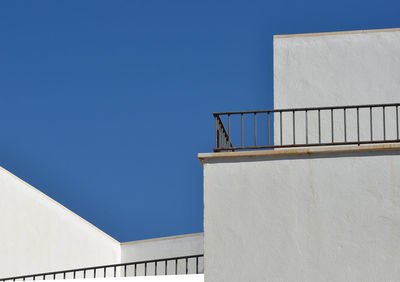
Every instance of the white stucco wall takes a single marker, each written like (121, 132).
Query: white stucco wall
(37, 234)
(167, 247)
(169, 278)
(303, 217)
(335, 69)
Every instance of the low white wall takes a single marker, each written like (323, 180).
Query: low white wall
(167, 247)
(335, 69)
(39, 235)
(308, 217)
(169, 278)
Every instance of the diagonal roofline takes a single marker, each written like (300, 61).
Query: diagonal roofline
(336, 32)
(163, 238)
(58, 204)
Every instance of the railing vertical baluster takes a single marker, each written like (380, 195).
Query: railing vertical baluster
(358, 126)
(370, 123)
(397, 121)
(166, 267)
(332, 129)
(135, 269)
(125, 270)
(115, 271)
(280, 120)
(186, 265)
(64, 275)
(229, 127)
(54, 277)
(269, 142)
(74, 274)
(155, 268)
(319, 126)
(241, 117)
(384, 123)
(176, 266)
(197, 265)
(255, 129)
(44, 277)
(105, 272)
(34, 278)
(216, 133)
(145, 269)
(84, 273)
(229, 130)
(306, 113)
(344, 124)
(294, 127)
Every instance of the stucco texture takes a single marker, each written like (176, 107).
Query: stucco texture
(322, 217)
(334, 70)
(40, 235)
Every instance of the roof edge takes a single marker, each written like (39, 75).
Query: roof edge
(60, 205)
(336, 33)
(163, 238)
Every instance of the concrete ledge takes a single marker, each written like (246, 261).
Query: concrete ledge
(336, 33)
(203, 157)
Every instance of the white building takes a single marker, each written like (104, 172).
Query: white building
(318, 201)
(330, 210)
(39, 235)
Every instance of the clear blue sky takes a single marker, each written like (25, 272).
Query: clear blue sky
(105, 104)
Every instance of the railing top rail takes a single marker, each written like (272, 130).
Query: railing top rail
(308, 109)
(100, 267)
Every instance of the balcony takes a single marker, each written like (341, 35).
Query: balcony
(307, 127)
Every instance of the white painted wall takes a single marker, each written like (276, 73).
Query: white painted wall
(335, 69)
(37, 234)
(169, 278)
(309, 217)
(167, 247)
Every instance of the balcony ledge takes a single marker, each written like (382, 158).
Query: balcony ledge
(205, 157)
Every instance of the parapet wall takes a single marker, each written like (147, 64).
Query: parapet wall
(303, 215)
(166, 247)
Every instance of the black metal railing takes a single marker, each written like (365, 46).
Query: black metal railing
(304, 127)
(193, 264)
